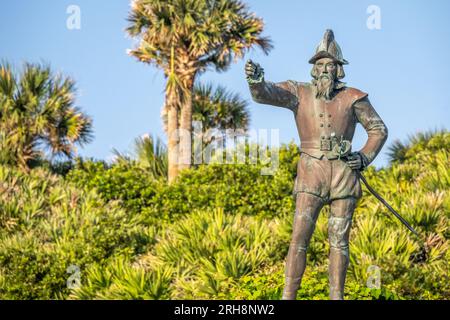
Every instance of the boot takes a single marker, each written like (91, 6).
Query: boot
(291, 287)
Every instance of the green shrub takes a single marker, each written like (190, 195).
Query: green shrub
(120, 280)
(268, 283)
(130, 184)
(202, 252)
(47, 226)
(234, 188)
(219, 232)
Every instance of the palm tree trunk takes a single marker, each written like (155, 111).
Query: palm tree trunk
(186, 126)
(172, 136)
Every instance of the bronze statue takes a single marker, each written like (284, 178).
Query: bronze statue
(326, 113)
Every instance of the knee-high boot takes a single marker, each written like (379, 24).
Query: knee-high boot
(308, 207)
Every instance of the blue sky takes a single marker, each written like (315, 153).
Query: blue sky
(404, 66)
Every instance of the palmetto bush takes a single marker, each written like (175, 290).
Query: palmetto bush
(213, 249)
(220, 232)
(47, 226)
(429, 141)
(119, 279)
(267, 284)
(198, 257)
(149, 154)
(419, 189)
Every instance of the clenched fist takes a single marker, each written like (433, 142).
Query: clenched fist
(253, 71)
(356, 161)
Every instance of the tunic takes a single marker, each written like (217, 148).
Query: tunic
(319, 171)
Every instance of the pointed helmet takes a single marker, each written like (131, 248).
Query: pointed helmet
(328, 48)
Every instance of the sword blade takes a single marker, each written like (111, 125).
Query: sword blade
(392, 210)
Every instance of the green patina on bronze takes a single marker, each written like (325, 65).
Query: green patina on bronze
(326, 112)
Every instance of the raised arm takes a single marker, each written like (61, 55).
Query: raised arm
(281, 94)
(376, 129)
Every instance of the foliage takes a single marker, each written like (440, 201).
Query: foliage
(38, 116)
(236, 188)
(184, 38)
(118, 279)
(131, 184)
(217, 109)
(149, 154)
(47, 226)
(202, 253)
(432, 140)
(210, 32)
(219, 232)
(267, 284)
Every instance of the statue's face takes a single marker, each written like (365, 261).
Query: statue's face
(326, 68)
(325, 75)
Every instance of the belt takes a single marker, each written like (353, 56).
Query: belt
(322, 145)
(316, 153)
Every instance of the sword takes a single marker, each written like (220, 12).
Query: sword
(372, 191)
(342, 149)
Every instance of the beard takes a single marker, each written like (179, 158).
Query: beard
(325, 86)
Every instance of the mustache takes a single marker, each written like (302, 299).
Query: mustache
(325, 76)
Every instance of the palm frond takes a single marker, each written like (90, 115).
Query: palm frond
(401, 151)
(38, 115)
(211, 33)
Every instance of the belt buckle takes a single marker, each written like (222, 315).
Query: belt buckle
(325, 145)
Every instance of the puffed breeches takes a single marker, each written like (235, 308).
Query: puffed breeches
(327, 179)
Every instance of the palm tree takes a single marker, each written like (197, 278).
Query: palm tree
(38, 116)
(217, 109)
(184, 38)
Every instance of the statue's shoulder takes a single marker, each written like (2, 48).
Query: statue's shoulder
(303, 86)
(293, 83)
(354, 94)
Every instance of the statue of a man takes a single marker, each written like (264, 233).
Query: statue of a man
(326, 113)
